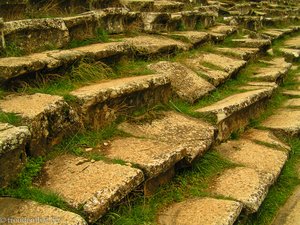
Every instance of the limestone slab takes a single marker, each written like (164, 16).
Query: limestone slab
(252, 43)
(223, 29)
(152, 156)
(185, 82)
(291, 53)
(173, 128)
(91, 186)
(246, 185)
(292, 102)
(18, 211)
(236, 102)
(103, 50)
(13, 143)
(49, 118)
(150, 45)
(204, 211)
(286, 121)
(225, 63)
(292, 93)
(242, 53)
(252, 155)
(194, 37)
(293, 42)
(266, 137)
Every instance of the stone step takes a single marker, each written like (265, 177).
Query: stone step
(13, 151)
(277, 33)
(194, 37)
(90, 186)
(252, 43)
(255, 156)
(234, 112)
(173, 128)
(285, 121)
(217, 68)
(48, 117)
(241, 53)
(204, 211)
(101, 103)
(293, 42)
(245, 185)
(17, 211)
(184, 82)
(290, 54)
(221, 31)
(275, 72)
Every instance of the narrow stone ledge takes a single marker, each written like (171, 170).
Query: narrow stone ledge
(101, 103)
(252, 43)
(185, 83)
(91, 186)
(285, 121)
(204, 211)
(244, 185)
(13, 155)
(153, 157)
(255, 156)
(235, 111)
(194, 37)
(241, 53)
(173, 128)
(48, 117)
(17, 211)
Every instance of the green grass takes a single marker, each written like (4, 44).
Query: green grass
(189, 183)
(10, 118)
(11, 50)
(282, 189)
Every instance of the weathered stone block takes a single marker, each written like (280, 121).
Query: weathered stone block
(103, 102)
(13, 151)
(36, 34)
(48, 117)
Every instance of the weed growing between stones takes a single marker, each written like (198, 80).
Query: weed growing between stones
(10, 118)
(11, 50)
(192, 182)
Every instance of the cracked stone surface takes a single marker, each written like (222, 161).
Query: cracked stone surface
(151, 156)
(31, 212)
(224, 108)
(173, 128)
(204, 211)
(13, 142)
(185, 82)
(254, 156)
(92, 186)
(48, 117)
(252, 43)
(246, 185)
(264, 136)
(242, 53)
(148, 45)
(285, 121)
(194, 37)
(225, 63)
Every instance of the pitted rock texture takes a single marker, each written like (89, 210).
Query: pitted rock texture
(153, 157)
(236, 102)
(276, 71)
(245, 185)
(32, 35)
(225, 63)
(48, 117)
(242, 53)
(173, 128)
(17, 211)
(150, 45)
(13, 143)
(285, 121)
(254, 156)
(194, 37)
(266, 137)
(185, 82)
(104, 101)
(204, 211)
(252, 43)
(95, 186)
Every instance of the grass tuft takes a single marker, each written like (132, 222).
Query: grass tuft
(10, 118)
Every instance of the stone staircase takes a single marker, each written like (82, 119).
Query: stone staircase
(190, 66)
